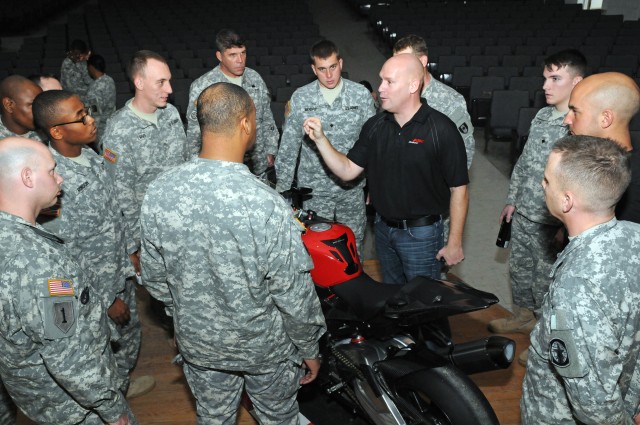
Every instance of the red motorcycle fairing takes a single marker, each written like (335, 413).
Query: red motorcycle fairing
(332, 247)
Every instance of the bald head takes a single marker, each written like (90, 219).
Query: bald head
(14, 85)
(15, 154)
(28, 181)
(602, 105)
(407, 64)
(612, 90)
(401, 78)
(17, 94)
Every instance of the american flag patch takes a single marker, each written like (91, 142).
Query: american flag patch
(110, 155)
(60, 287)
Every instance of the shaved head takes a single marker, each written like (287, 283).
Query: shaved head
(408, 62)
(612, 90)
(401, 78)
(602, 105)
(28, 180)
(15, 84)
(17, 94)
(15, 154)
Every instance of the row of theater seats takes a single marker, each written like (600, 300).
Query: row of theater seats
(278, 35)
(492, 51)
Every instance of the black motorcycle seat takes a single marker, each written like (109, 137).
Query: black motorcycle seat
(367, 298)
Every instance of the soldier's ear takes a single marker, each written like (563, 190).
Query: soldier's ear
(138, 82)
(26, 175)
(245, 125)
(8, 104)
(606, 118)
(568, 201)
(55, 133)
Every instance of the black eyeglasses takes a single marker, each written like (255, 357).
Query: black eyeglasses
(83, 120)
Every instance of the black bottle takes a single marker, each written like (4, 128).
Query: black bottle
(504, 235)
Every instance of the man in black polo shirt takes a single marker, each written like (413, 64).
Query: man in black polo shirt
(415, 161)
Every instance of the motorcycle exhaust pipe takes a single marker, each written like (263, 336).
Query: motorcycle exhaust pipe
(491, 353)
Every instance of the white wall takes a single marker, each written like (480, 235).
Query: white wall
(629, 8)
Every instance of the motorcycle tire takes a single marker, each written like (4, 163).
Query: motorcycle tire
(443, 396)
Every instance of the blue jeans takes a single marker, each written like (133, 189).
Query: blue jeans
(405, 254)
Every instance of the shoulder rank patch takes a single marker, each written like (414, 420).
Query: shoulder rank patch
(110, 155)
(59, 287)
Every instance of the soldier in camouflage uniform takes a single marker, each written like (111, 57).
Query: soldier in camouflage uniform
(74, 75)
(534, 245)
(101, 96)
(343, 106)
(55, 359)
(143, 139)
(232, 55)
(440, 96)
(583, 360)
(16, 119)
(223, 252)
(89, 220)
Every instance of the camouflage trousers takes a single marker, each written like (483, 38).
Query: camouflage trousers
(127, 347)
(533, 253)
(7, 408)
(536, 405)
(94, 419)
(348, 209)
(273, 393)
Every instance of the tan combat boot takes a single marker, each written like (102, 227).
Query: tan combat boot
(522, 321)
(523, 358)
(140, 386)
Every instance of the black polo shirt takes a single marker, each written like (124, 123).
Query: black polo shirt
(411, 169)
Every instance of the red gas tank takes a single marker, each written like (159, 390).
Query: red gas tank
(332, 247)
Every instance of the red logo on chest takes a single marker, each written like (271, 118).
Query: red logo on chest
(416, 142)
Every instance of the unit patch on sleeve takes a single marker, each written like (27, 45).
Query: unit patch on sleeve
(59, 317)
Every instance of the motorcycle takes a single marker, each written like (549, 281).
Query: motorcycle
(385, 355)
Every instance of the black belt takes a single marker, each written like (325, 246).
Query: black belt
(415, 222)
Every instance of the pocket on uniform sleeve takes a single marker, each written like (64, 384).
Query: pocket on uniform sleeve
(60, 317)
(563, 352)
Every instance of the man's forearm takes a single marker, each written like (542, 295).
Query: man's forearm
(458, 207)
(337, 162)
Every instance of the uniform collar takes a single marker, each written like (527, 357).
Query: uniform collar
(578, 241)
(37, 229)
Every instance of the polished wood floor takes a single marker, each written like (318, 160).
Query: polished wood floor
(171, 402)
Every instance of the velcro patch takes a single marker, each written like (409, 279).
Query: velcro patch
(59, 317)
(58, 287)
(558, 353)
(110, 155)
(63, 316)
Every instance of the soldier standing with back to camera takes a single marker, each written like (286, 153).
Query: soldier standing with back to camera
(230, 266)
